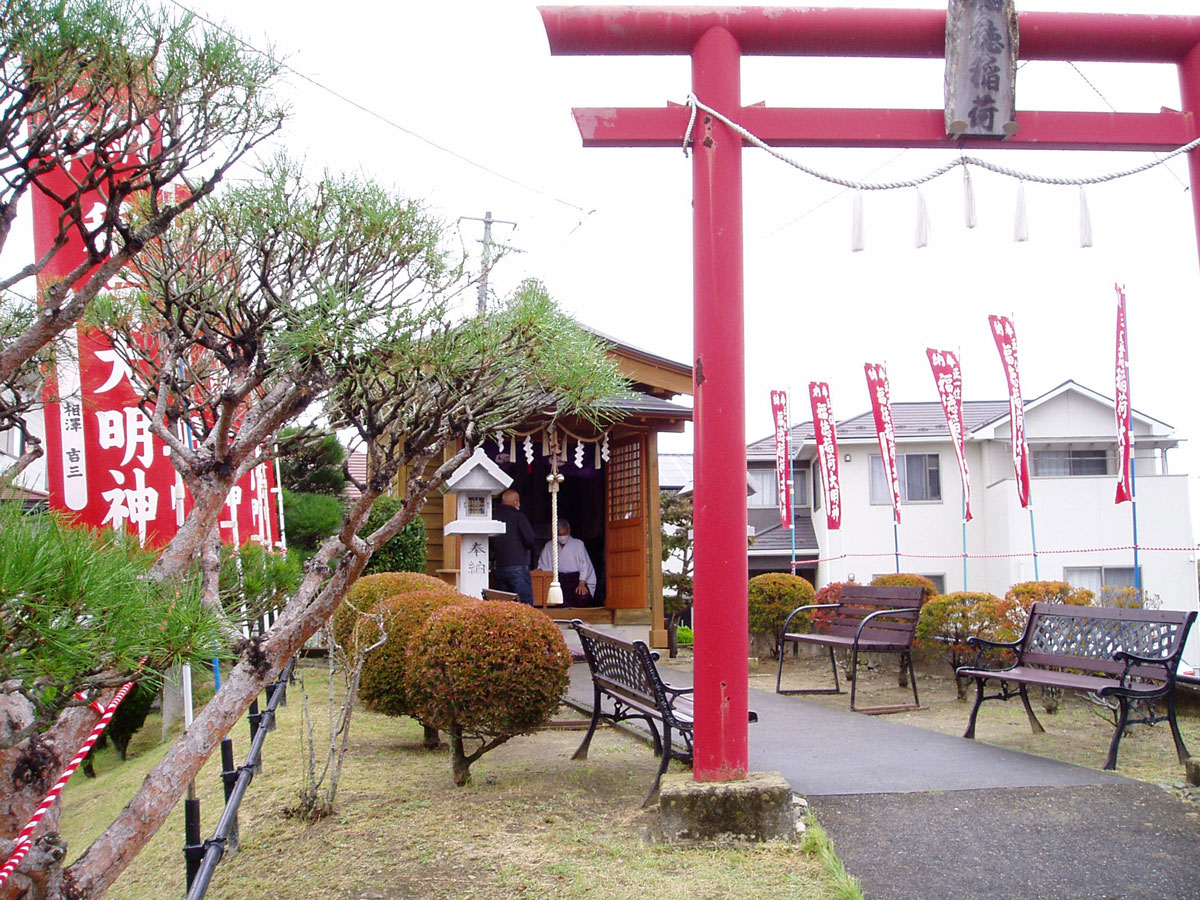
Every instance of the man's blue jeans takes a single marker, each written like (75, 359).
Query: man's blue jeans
(516, 580)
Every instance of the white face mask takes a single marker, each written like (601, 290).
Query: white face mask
(562, 540)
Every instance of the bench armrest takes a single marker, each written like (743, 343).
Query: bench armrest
(907, 611)
(800, 609)
(1130, 658)
(981, 644)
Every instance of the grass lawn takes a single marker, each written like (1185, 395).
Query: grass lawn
(532, 824)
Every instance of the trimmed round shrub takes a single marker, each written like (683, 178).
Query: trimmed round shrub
(370, 589)
(947, 621)
(830, 593)
(1021, 596)
(485, 672)
(382, 687)
(772, 596)
(907, 579)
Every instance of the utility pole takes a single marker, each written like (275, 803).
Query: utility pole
(488, 222)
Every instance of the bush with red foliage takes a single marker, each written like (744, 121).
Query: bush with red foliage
(485, 672)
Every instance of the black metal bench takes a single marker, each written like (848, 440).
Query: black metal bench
(1128, 654)
(626, 673)
(867, 619)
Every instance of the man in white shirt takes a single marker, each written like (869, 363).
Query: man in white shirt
(576, 574)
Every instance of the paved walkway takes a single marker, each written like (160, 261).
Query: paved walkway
(918, 815)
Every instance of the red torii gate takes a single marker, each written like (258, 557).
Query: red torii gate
(716, 39)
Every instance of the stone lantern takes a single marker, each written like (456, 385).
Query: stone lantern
(475, 483)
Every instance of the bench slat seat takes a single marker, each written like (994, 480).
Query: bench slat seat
(626, 673)
(866, 619)
(1131, 655)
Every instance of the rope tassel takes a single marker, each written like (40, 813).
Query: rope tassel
(1085, 220)
(1021, 226)
(968, 198)
(921, 238)
(856, 224)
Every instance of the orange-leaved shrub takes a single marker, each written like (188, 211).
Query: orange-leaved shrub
(947, 621)
(830, 593)
(370, 589)
(1021, 596)
(384, 684)
(772, 596)
(907, 579)
(485, 672)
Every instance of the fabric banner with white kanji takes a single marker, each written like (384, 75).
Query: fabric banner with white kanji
(1006, 344)
(947, 375)
(881, 406)
(1122, 407)
(104, 465)
(825, 432)
(783, 455)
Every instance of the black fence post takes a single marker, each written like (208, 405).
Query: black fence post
(229, 777)
(193, 849)
(255, 717)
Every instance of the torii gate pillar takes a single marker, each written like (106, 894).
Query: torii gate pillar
(716, 38)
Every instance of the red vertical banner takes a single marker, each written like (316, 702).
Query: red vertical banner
(1122, 407)
(104, 465)
(947, 375)
(827, 453)
(1006, 344)
(783, 456)
(881, 406)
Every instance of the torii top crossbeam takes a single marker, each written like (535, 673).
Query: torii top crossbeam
(716, 39)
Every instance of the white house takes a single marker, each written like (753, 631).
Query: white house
(1082, 535)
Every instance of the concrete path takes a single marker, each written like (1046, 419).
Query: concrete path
(918, 815)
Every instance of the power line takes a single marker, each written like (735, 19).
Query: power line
(382, 118)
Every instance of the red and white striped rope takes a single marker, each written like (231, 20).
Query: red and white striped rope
(25, 838)
(892, 553)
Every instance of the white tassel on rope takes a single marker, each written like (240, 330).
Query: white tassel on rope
(921, 237)
(968, 199)
(1085, 220)
(1021, 226)
(856, 224)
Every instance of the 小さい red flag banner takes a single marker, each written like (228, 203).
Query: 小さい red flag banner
(947, 375)
(1006, 344)
(1123, 410)
(881, 406)
(783, 455)
(825, 432)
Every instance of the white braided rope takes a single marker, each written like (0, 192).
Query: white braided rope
(696, 105)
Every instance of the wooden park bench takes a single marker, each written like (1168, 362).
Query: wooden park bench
(1130, 655)
(626, 673)
(866, 619)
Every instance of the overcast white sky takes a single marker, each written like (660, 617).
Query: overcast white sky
(609, 230)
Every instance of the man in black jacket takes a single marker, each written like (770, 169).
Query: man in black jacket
(511, 551)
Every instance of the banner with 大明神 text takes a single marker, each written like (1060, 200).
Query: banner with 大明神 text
(947, 375)
(881, 406)
(1122, 407)
(783, 455)
(1006, 344)
(825, 432)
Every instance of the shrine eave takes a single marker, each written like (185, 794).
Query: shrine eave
(901, 33)
(924, 128)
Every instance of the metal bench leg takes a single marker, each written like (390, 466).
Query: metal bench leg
(912, 676)
(970, 732)
(1180, 749)
(582, 752)
(779, 674)
(1122, 721)
(853, 674)
(1033, 720)
(837, 685)
(662, 766)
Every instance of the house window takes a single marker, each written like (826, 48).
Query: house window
(920, 479)
(1069, 463)
(1097, 578)
(816, 492)
(763, 482)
